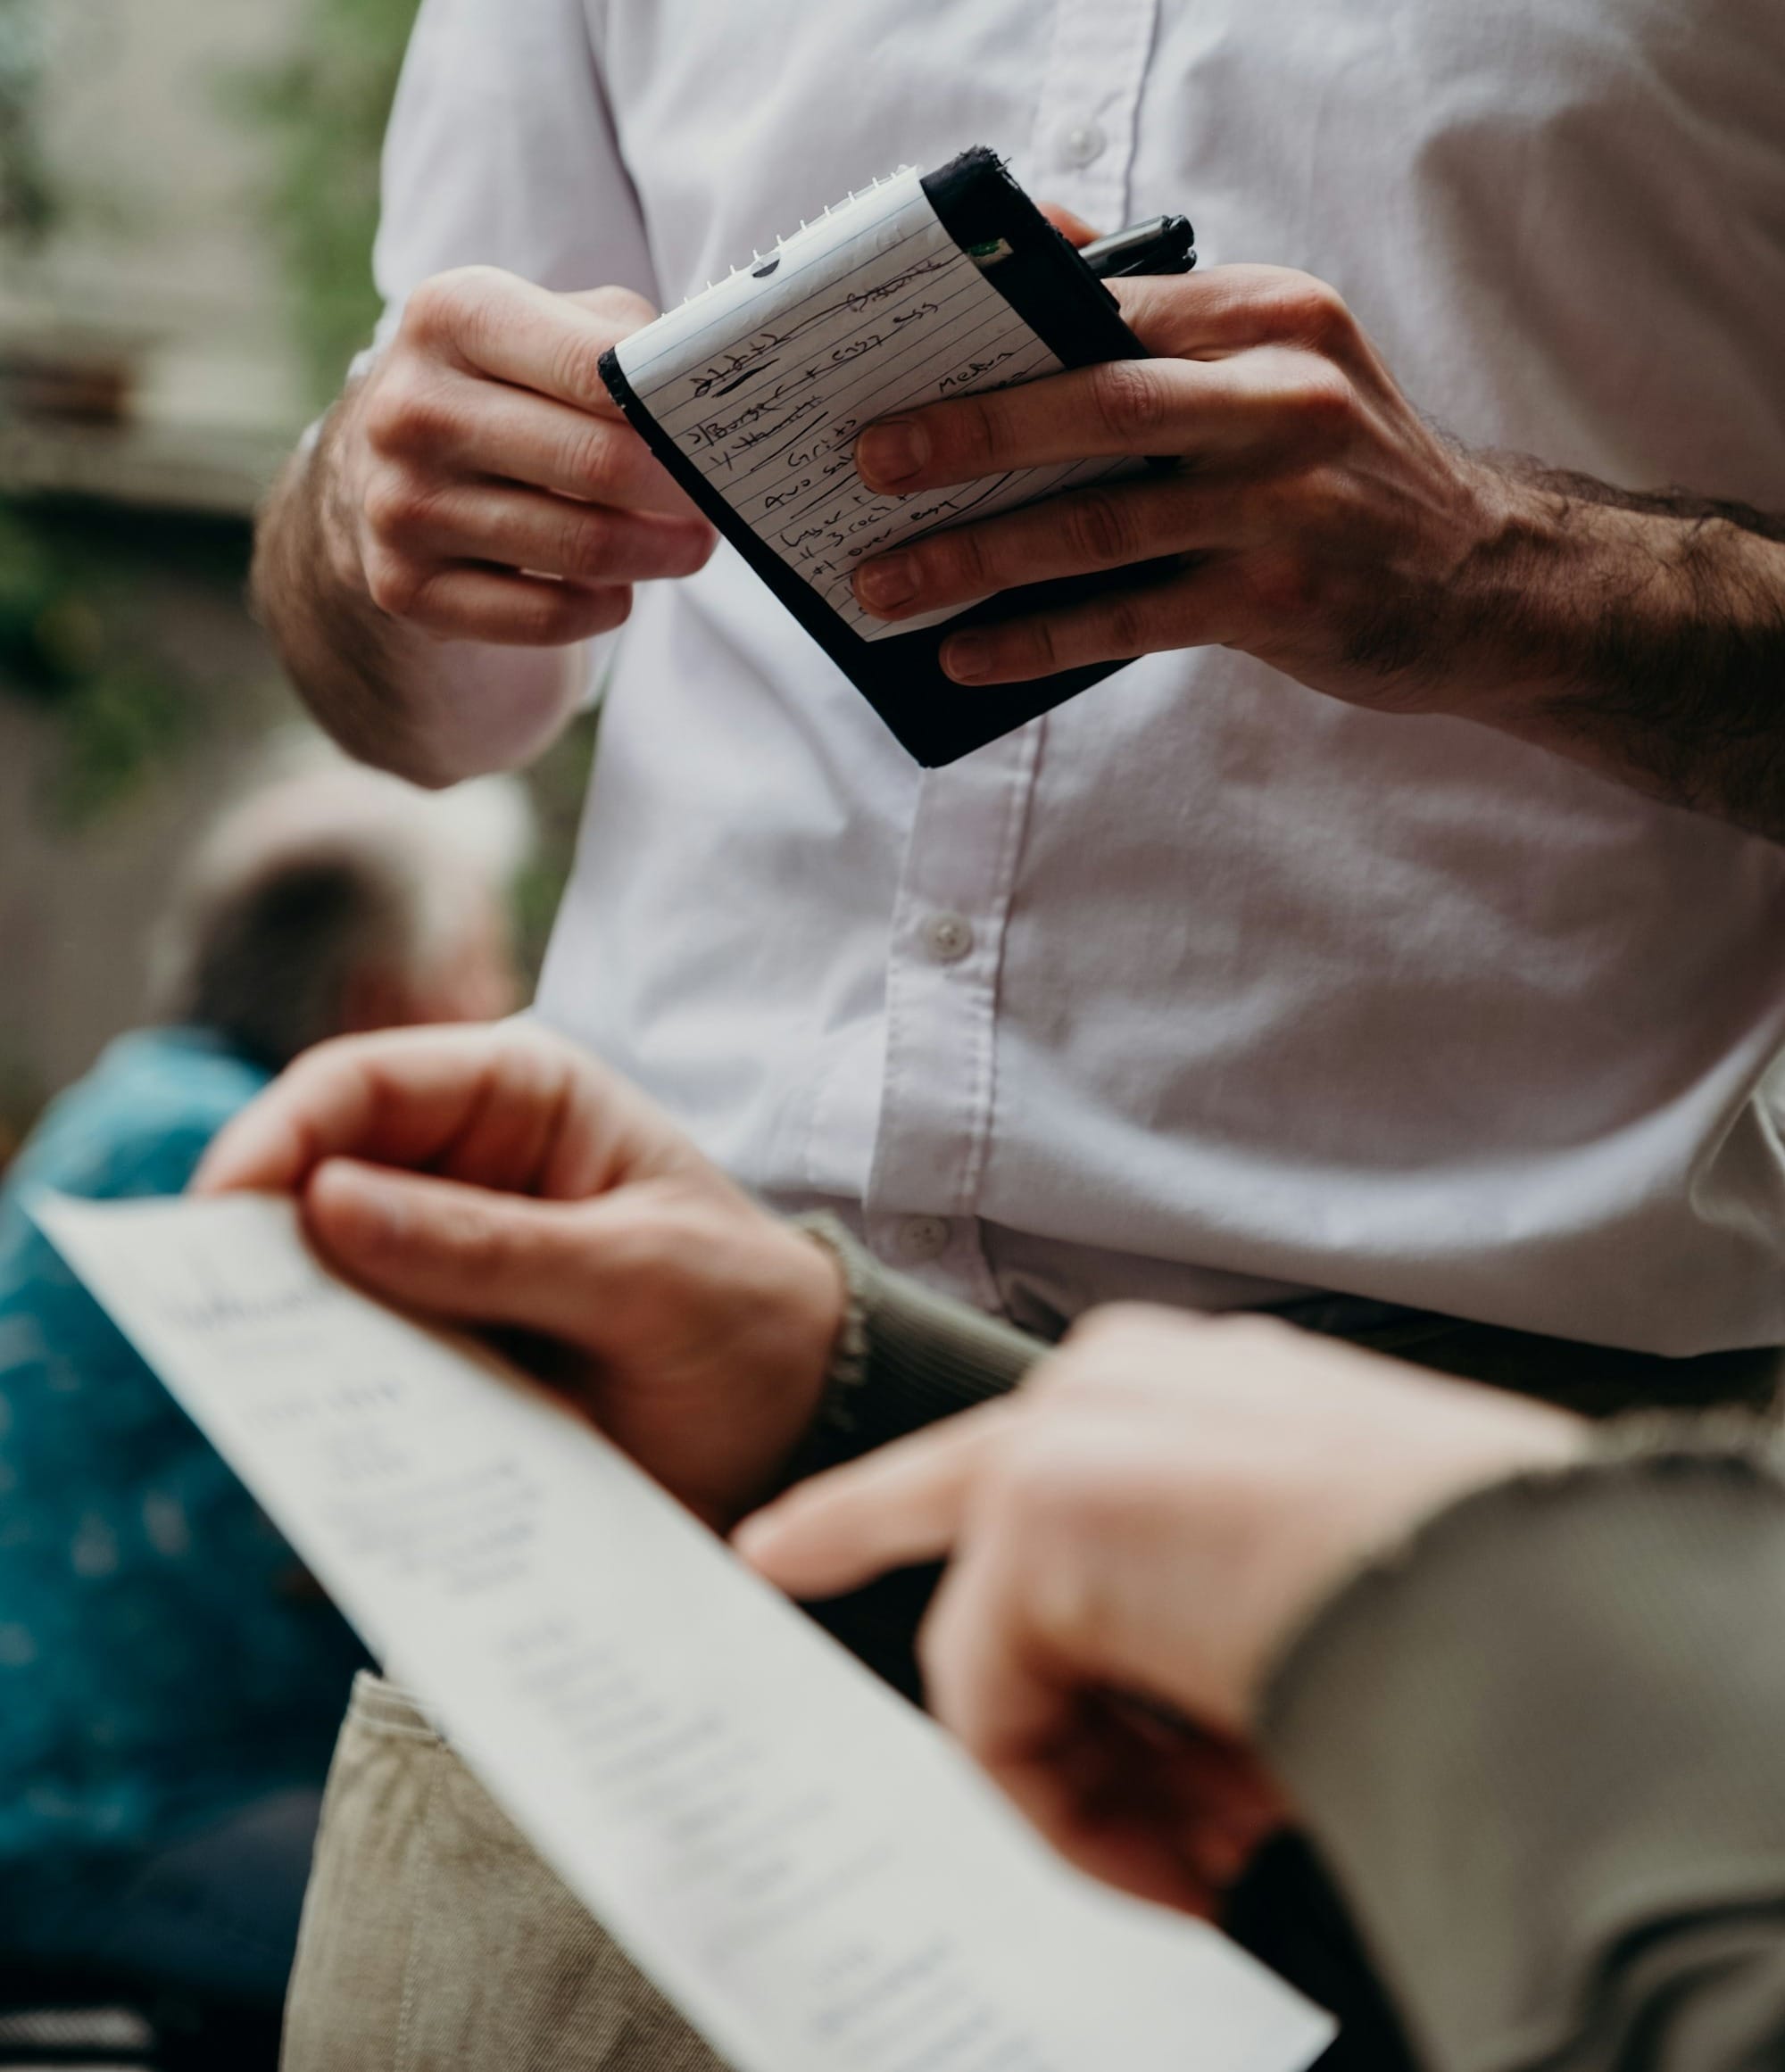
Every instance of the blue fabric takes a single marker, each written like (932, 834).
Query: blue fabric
(162, 1660)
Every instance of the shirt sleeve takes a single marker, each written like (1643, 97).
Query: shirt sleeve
(501, 152)
(1540, 1748)
(906, 1358)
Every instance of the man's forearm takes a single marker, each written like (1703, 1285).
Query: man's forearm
(1648, 632)
(433, 711)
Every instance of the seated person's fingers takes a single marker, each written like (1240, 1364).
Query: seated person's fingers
(465, 1254)
(510, 1107)
(894, 1507)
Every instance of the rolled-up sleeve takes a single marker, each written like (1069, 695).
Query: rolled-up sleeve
(501, 152)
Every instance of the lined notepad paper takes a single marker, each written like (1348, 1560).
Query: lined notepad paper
(765, 379)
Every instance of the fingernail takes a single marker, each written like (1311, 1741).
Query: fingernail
(883, 585)
(966, 657)
(891, 452)
(756, 1532)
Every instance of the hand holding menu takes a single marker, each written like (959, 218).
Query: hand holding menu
(753, 393)
(815, 1876)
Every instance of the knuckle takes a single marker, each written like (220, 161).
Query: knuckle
(557, 613)
(1044, 645)
(1129, 398)
(622, 309)
(1324, 401)
(482, 1246)
(1279, 585)
(1128, 625)
(1113, 1324)
(1323, 504)
(976, 425)
(1314, 312)
(587, 456)
(959, 562)
(406, 414)
(394, 582)
(431, 311)
(575, 363)
(468, 300)
(605, 610)
(1101, 529)
(586, 544)
(394, 506)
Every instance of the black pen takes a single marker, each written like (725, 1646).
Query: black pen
(1161, 245)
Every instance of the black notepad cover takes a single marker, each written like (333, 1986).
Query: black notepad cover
(1077, 318)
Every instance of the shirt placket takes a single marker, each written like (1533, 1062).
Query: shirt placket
(1082, 148)
(955, 889)
(942, 1001)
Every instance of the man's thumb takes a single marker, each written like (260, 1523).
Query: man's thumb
(451, 1250)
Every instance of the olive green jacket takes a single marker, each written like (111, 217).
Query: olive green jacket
(1540, 1746)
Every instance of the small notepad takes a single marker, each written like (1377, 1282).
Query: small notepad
(918, 288)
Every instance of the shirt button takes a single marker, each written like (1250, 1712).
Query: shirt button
(922, 1238)
(947, 937)
(1083, 143)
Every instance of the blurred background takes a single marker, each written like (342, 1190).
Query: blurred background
(187, 198)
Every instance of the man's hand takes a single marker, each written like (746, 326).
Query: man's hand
(476, 493)
(485, 486)
(500, 1176)
(1314, 519)
(1133, 1537)
(1309, 503)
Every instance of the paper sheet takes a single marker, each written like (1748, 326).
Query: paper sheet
(802, 1862)
(766, 378)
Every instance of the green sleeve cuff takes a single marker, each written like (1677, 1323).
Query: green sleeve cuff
(1539, 1748)
(906, 1358)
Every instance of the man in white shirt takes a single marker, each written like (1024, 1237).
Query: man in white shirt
(1299, 963)
(1407, 921)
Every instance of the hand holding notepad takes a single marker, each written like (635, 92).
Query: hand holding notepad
(752, 394)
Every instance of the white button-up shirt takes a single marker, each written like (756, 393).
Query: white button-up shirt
(1205, 986)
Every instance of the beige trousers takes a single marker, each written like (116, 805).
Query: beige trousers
(434, 1939)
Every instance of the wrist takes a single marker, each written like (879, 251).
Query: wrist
(1511, 609)
(335, 529)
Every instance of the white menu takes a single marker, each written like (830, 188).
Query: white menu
(815, 1876)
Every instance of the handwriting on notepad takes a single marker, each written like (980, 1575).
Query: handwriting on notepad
(765, 382)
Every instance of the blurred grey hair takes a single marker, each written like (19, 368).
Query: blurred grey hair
(317, 875)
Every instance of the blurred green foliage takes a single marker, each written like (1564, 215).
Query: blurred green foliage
(67, 645)
(26, 204)
(322, 111)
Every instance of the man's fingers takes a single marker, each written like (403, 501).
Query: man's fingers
(462, 600)
(482, 427)
(1070, 225)
(589, 544)
(900, 1506)
(1134, 406)
(1196, 608)
(453, 1251)
(1230, 309)
(505, 326)
(1073, 534)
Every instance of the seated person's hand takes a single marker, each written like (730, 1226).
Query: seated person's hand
(1133, 1537)
(1314, 519)
(502, 1177)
